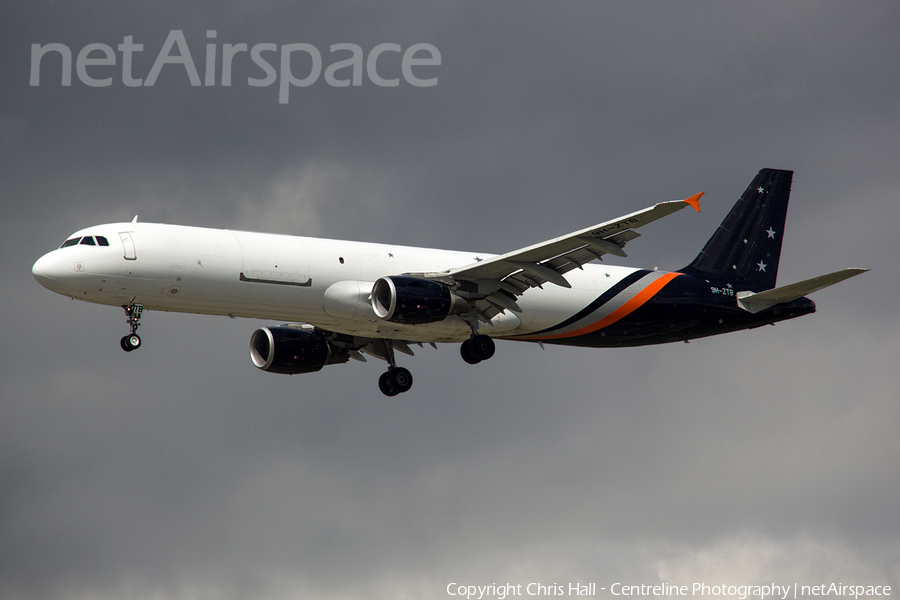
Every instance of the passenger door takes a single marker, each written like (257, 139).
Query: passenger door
(128, 242)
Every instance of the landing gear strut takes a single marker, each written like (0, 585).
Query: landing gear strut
(477, 348)
(132, 341)
(396, 380)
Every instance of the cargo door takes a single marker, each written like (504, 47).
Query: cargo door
(273, 259)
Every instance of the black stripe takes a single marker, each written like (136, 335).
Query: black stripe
(600, 301)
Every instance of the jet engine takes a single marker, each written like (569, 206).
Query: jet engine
(291, 351)
(413, 301)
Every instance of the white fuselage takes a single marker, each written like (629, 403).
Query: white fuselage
(326, 283)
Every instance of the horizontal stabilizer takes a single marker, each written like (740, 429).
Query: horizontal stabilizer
(756, 301)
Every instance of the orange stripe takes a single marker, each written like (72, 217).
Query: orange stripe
(623, 311)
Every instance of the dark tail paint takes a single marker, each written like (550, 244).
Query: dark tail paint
(746, 247)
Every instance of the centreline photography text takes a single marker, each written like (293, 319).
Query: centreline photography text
(701, 589)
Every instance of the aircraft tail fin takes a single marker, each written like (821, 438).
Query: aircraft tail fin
(747, 245)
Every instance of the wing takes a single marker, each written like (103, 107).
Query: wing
(495, 283)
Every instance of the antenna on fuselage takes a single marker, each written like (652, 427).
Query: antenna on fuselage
(134, 220)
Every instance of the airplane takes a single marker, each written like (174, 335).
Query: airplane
(342, 300)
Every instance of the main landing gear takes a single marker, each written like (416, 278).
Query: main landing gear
(477, 348)
(396, 380)
(132, 341)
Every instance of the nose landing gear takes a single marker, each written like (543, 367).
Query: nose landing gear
(132, 341)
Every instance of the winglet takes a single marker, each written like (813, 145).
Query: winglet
(694, 201)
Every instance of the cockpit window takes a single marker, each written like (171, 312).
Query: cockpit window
(87, 240)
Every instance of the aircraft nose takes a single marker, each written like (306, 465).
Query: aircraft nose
(46, 271)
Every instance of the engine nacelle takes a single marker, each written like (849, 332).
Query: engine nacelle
(291, 351)
(413, 301)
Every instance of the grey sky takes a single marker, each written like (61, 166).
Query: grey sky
(181, 471)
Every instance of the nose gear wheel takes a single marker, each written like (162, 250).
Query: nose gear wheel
(130, 342)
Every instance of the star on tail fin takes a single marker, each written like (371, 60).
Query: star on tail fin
(746, 247)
